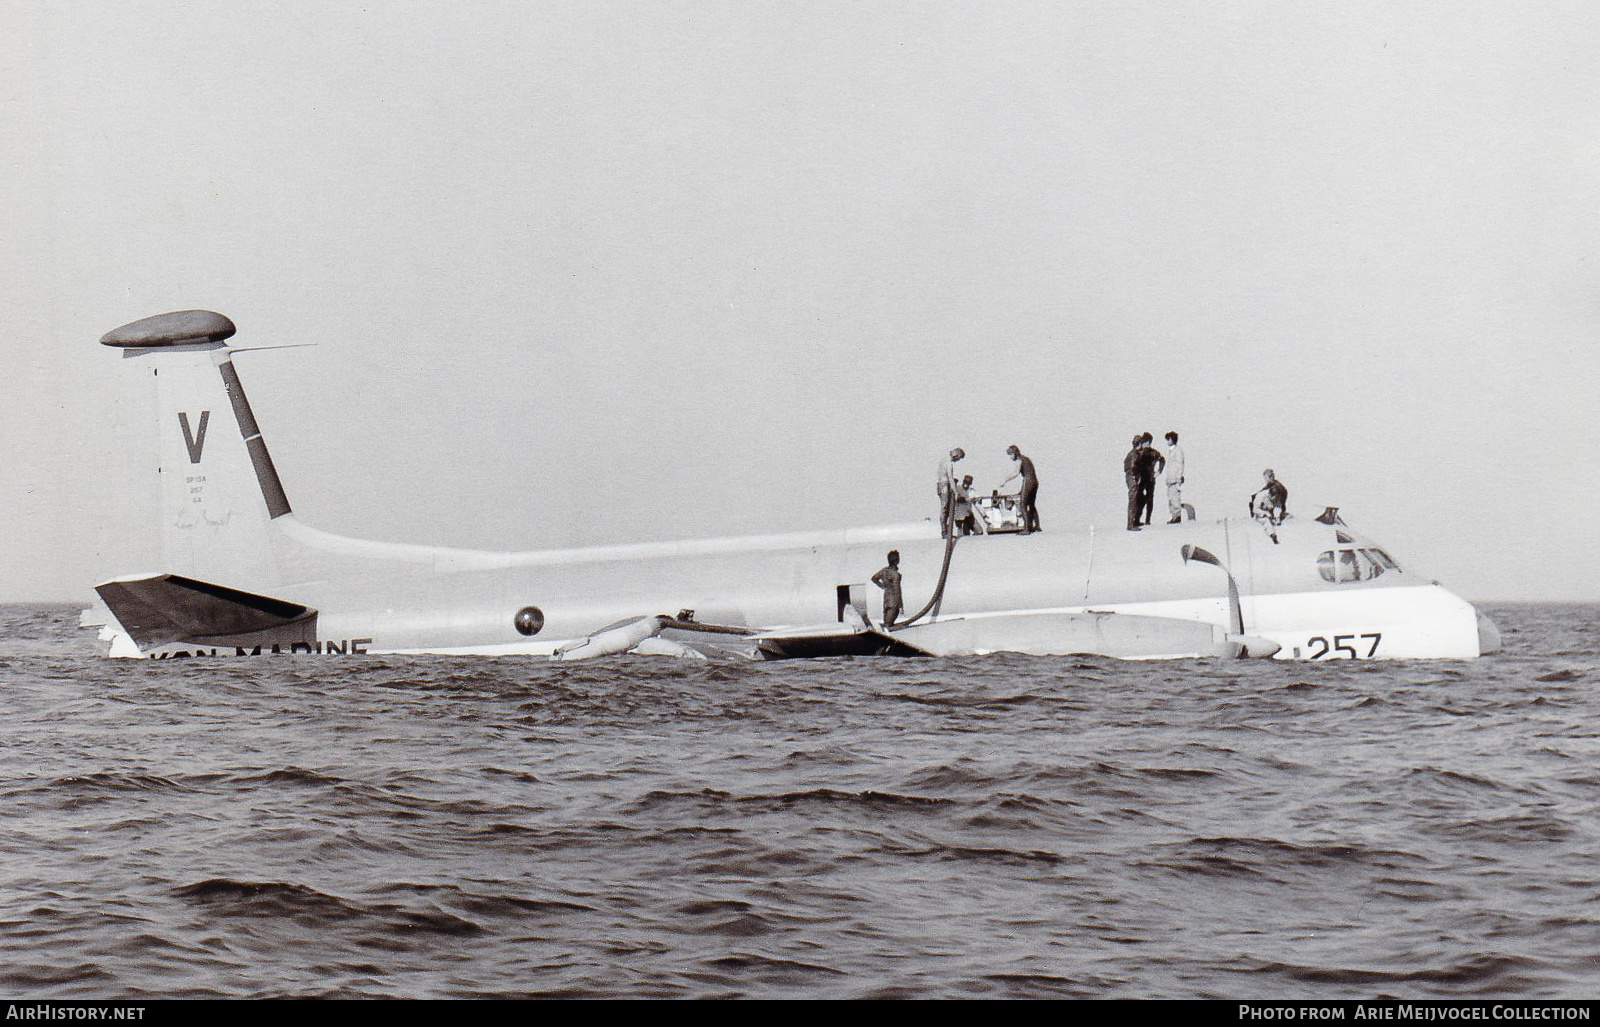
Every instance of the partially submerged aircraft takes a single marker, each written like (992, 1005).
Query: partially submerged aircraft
(242, 576)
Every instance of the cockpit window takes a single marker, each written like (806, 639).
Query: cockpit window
(1343, 565)
(1382, 559)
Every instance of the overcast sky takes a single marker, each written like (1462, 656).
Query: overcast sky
(591, 272)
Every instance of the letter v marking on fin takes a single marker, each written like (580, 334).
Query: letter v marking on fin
(197, 440)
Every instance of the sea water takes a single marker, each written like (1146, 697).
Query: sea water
(1000, 826)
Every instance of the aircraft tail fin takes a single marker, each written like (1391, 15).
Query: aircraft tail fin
(219, 489)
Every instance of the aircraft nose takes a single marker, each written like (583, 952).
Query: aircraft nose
(1488, 635)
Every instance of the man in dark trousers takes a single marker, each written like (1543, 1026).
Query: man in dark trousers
(888, 579)
(1150, 464)
(1030, 490)
(1130, 473)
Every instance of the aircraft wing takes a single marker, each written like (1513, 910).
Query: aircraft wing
(641, 634)
(1128, 636)
(1083, 632)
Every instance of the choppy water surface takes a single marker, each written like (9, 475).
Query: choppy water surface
(997, 826)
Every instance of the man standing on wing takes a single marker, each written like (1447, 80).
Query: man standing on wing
(888, 579)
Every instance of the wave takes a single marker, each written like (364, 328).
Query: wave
(267, 900)
(1479, 974)
(1272, 857)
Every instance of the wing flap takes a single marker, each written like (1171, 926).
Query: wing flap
(841, 640)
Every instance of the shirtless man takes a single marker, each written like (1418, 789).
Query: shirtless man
(888, 579)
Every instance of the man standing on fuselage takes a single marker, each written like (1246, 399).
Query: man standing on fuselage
(1150, 462)
(946, 484)
(1030, 490)
(1174, 479)
(1130, 474)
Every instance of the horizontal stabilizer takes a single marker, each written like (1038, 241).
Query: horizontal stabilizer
(166, 608)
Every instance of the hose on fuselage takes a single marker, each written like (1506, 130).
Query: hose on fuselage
(938, 592)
